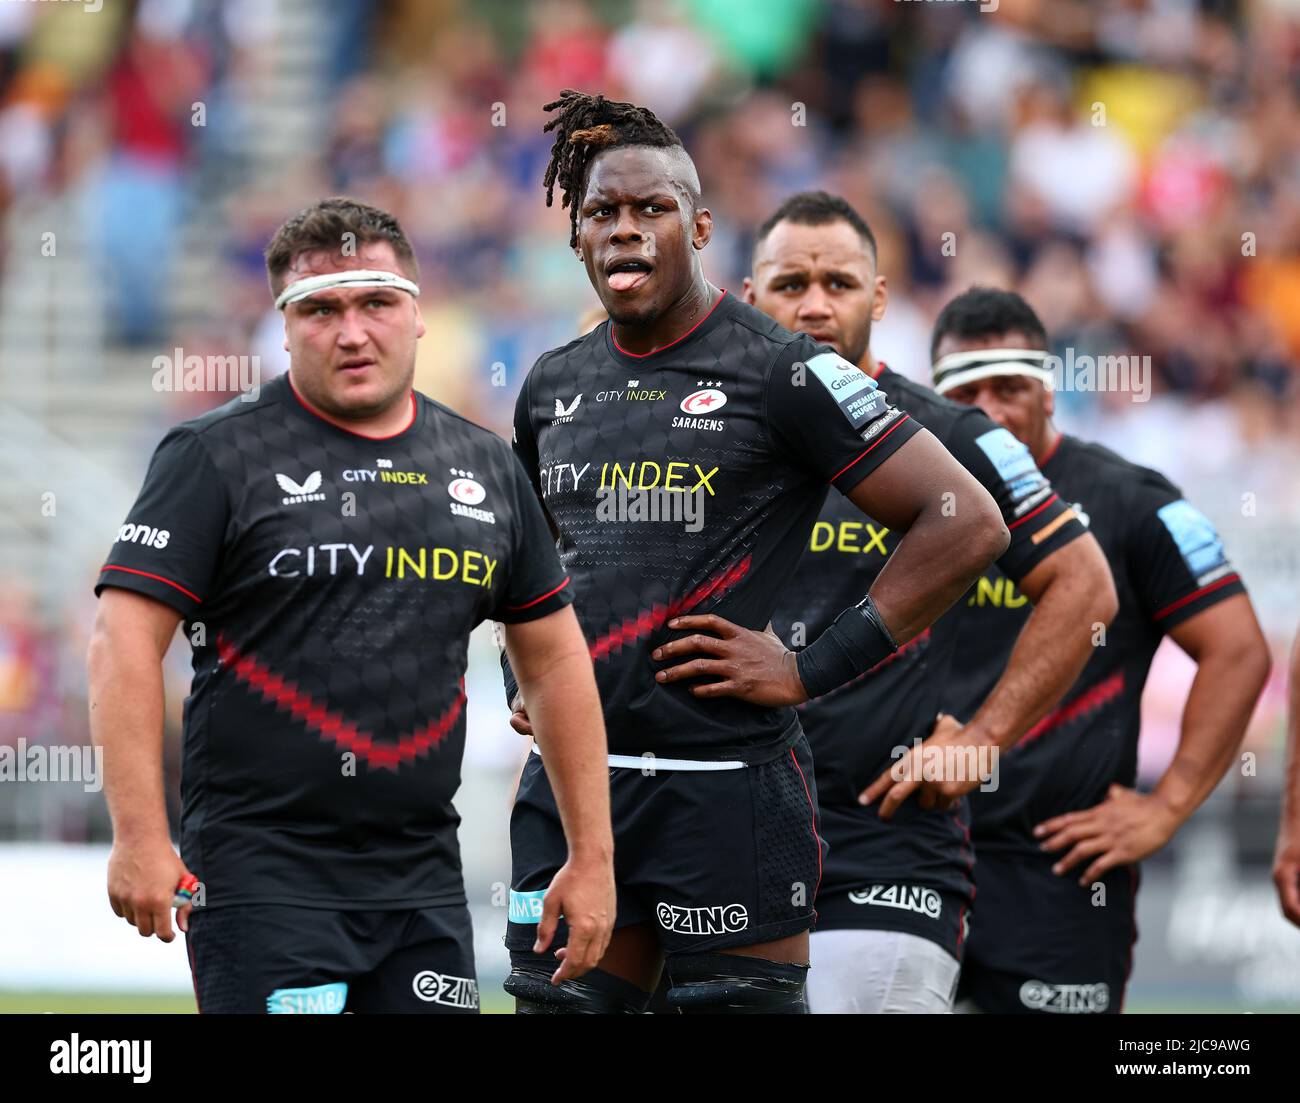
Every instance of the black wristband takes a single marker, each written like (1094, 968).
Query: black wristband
(852, 645)
(512, 686)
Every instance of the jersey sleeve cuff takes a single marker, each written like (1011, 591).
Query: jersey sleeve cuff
(890, 434)
(1037, 535)
(1200, 599)
(184, 600)
(543, 605)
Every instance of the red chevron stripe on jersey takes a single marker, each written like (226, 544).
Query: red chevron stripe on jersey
(1090, 700)
(657, 615)
(329, 725)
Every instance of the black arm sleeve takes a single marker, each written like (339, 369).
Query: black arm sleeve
(508, 678)
(170, 545)
(1038, 520)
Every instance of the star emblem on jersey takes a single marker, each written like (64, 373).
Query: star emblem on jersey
(468, 493)
(565, 413)
(306, 491)
(464, 488)
(704, 401)
(700, 404)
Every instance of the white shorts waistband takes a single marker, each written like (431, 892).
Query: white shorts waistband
(649, 762)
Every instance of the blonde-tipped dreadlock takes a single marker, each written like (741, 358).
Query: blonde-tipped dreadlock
(586, 126)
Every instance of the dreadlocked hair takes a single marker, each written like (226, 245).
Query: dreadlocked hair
(585, 126)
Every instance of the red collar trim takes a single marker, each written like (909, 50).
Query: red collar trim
(330, 421)
(675, 341)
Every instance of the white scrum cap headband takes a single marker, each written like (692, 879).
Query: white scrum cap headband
(959, 368)
(355, 277)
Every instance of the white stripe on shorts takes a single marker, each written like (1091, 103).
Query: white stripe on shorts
(650, 762)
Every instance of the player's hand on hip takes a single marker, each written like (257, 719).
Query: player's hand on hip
(1124, 828)
(142, 880)
(1286, 873)
(519, 716)
(583, 893)
(942, 769)
(754, 666)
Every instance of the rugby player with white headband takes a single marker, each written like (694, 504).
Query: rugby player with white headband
(1059, 841)
(331, 545)
(958, 369)
(361, 277)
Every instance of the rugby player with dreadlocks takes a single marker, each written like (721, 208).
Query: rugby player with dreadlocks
(688, 392)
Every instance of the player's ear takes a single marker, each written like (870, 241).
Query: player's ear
(747, 293)
(1049, 400)
(419, 320)
(286, 333)
(702, 227)
(879, 299)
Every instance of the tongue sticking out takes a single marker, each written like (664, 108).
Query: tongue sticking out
(625, 281)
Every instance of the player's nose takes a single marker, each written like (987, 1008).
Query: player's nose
(625, 228)
(352, 331)
(815, 305)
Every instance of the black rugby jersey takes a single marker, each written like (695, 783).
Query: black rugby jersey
(1168, 564)
(854, 729)
(329, 583)
(753, 422)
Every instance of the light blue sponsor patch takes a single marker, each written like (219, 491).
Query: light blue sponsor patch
(853, 389)
(1013, 462)
(1197, 542)
(526, 907)
(324, 999)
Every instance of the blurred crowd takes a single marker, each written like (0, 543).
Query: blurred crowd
(1134, 168)
(1131, 166)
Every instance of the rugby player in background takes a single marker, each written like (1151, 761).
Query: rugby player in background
(330, 547)
(1060, 839)
(687, 390)
(1286, 860)
(897, 888)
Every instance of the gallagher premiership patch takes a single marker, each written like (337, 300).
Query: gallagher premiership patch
(854, 390)
(1013, 462)
(1197, 542)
